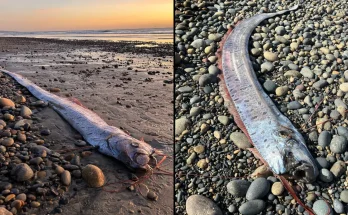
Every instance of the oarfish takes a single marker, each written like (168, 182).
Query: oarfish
(109, 140)
(277, 141)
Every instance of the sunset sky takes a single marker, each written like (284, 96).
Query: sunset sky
(49, 15)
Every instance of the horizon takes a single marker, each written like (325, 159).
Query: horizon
(91, 30)
(77, 15)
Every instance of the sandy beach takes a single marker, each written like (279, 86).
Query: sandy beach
(129, 85)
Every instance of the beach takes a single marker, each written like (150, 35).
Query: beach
(128, 84)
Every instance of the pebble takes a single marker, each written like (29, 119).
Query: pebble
(338, 144)
(4, 211)
(270, 56)
(277, 189)
(267, 67)
(93, 176)
(258, 189)
(325, 175)
(252, 207)
(338, 168)
(294, 105)
(344, 87)
(35, 204)
(224, 120)
(344, 196)
(181, 125)
(324, 139)
(25, 111)
(240, 140)
(7, 142)
(4, 102)
(207, 79)
(338, 206)
(66, 178)
(282, 90)
(238, 188)
(22, 172)
(152, 195)
(270, 86)
(197, 205)
(322, 162)
(320, 207)
(307, 72)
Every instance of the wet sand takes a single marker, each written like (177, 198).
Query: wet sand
(129, 87)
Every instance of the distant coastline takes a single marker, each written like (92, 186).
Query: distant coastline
(158, 35)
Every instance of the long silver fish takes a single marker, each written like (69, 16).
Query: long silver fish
(278, 142)
(110, 140)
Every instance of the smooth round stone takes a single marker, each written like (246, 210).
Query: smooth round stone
(181, 124)
(238, 188)
(4, 102)
(322, 162)
(277, 189)
(338, 144)
(240, 140)
(267, 67)
(344, 196)
(195, 111)
(270, 86)
(324, 139)
(213, 70)
(338, 168)
(252, 207)
(320, 207)
(25, 111)
(207, 79)
(344, 87)
(198, 43)
(281, 91)
(4, 211)
(66, 177)
(270, 56)
(338, 206)
(197, 205)
(294, 105)
(307, 72)
(258, 189)
(225, 120)
(7, 142)
(93, 175)
(325, 175)
(22, 172)
(280, 30)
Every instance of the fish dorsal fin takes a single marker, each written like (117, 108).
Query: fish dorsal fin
(76, 101)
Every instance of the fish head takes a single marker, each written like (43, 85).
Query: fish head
(136, 154)
(297, 160)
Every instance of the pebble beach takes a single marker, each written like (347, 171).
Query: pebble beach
(301, 60)
(45, 165)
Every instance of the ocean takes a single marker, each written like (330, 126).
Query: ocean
(158, 35)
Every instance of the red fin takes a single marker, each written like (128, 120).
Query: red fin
(76, 101)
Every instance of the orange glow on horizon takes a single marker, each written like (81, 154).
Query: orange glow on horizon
(125, 15)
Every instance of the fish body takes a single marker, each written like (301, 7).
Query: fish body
(278, 142)
(109, 140)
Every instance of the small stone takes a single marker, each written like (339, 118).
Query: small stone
(344, 196)
(294, 105)
(198, 205)
(240, 140)
(338, 144)
(181, 125)
(270, 56)
(252, 207)
(338, 206)
(281, 91)
(238, 188)
(22, 172)
(224, 120)
(10, 197)
(7, 142)
(325, 175)
(66, 178)
(320, 207)
(45, 132)
(199, 149)
(258, 189)
(338, 168)
(270, 86)
(25, 111)
(206, 79)
(93, 176)
(35, 204)
(4, 102)
(4, 211)
(277, 189)
(324, 139)
(307, 72)
(344, 87)
(36, 161)
(202, 164)
(80, 143)
(267, 67)
(152, 196)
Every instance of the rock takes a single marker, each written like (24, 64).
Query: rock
(258, 189)
(35, 204)
(213, 70)
(4, 211)
(270, 56)
(238, 188)
(181, 124)
(277, 189)
(202, 164)
(294, 105)
(324, 139)
(93, 176)
(152, 196)
(307, 72)
(240, 140)
(80, 143)
(198, 205)
(338, 144)
(344, 196)
(59, 170)
(280, 30)
(224, 120)
(22, 172)
(294, 46)
(322, 162)
(195, 111)
(270, 86)
(207, 79)
(320, 84)
(45, 132)
(344, 87)
(320, 207)
(325, 175)
(252, 207)
(36, 161)
(338, 206)
(267, 67)
(4, 102)
(199, 149)
(66, 178)
(198, 43)
(25, 111)
(293, 73)
(40, 151)
(338, 168)
(7, 142)
(281, 91)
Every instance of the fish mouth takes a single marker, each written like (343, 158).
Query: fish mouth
(141, 159)
(303, 172)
